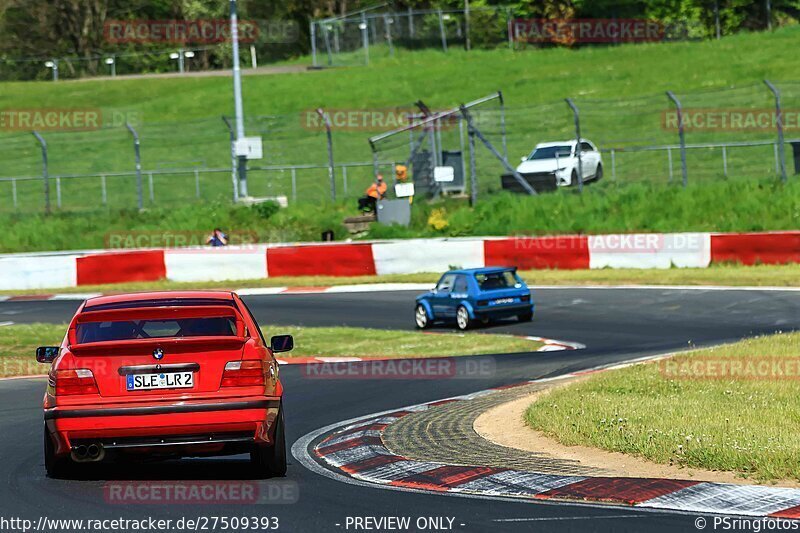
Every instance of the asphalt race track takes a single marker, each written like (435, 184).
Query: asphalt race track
(615, 324)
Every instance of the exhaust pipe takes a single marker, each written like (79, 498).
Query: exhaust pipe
(93, 451)
(88, 454)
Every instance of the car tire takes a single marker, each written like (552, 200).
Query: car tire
(421, 318)
(525, 317)
(56, 467)
(463, 321)
(598, 174)
(270, 461)
(574, 178)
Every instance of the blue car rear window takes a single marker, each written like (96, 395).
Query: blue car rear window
(497, 280)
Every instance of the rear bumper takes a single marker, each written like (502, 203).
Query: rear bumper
(252, 416)
(504, 311)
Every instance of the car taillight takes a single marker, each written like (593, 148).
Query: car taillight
(482, 303)
(71, 382)
(243, 374)
(526, 298)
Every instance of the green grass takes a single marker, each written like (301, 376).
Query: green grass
(722, 275)
(180, 125)
(735, 424)
(18, 343)
(734, 205)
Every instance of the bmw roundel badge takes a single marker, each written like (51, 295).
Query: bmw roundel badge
(158, 354)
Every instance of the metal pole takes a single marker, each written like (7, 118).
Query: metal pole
(14, 191)
(197, 183)
(473, 175)
(313, 36)
(387, 26)
(327, 36)
(344, 180)
(331, 176)
(779, 123)
(237, 97)
(55, 69)
(681, 135)
(724, 161)
(613, 165)
(517, 176)
(180, 60)
(669, 162)
(58, 191)
(45, 175)
(461, 147)
(716, 19)
(294, 185)
(468, 44)
(441, 31)
(503, 123)
(151, 186)
(777, 158)
(410, 22)
(253, 56)
(138, 155)
(365, 37)
(234, 178)
(576, 114)
(509, 28)
(103, 190)
(769, 15)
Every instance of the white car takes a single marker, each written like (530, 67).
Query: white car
(561, 160)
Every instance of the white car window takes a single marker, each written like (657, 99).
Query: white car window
(446, 283)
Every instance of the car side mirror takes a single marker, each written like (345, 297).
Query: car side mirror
(281, 343)
(47, 354)
(523, 159)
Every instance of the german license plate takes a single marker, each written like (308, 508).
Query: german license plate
(165, 380)
(501, 301)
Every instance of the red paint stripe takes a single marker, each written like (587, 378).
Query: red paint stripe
(371, 463)
(792, 512)
(563, 252)
(617, 490)
(446, 477)
(349, 444)
(321, 260)
(121, 267)
(756, 248)
(29, 297)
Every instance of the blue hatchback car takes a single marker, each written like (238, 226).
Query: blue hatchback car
(475, 295)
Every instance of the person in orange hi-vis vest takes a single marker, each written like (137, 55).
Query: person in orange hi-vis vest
(374, 192)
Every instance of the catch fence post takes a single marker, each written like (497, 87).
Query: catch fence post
(681, 136)
(45, 175)
(576, 114)
(441, 31)
(779, 124)
(331, 175)
(138, 155)
(234, 159)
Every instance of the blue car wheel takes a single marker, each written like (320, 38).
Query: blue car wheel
(421, 317)
(463, 321)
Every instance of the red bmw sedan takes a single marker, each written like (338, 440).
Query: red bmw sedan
(164, 375)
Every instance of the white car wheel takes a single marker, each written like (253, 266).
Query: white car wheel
(421, 317)
(462, 318)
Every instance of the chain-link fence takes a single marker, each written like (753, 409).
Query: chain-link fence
(727, 134)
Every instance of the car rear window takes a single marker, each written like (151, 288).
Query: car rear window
(155, 329)
(497, 280)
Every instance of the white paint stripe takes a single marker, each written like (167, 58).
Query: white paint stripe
(216, 264)
(76, 296)
(260, 291)
(9, 323)
(666, 287)
(380, 287)
(22, 273)
(426, 255)
(650, 250)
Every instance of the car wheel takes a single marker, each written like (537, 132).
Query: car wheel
(574, 178)
(462, 318)
(598, 174)
(525, 317)
(56, 467)
(271, 460)
(421, 317)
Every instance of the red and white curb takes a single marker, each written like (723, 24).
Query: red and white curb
(353, 452)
